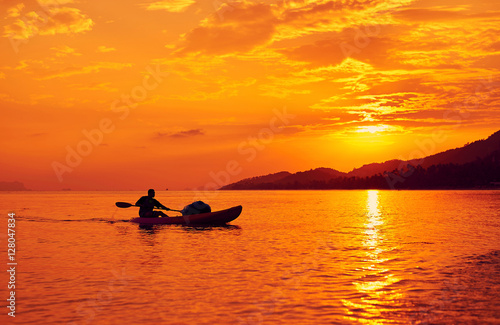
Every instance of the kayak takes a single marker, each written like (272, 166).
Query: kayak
(210, 218)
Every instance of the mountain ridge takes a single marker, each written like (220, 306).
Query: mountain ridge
(471, 153)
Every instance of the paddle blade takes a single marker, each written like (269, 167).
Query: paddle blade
(123, 205)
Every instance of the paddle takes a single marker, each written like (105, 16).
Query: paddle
(128, 205)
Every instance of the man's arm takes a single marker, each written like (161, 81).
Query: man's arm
(159, 205)
(140, 201)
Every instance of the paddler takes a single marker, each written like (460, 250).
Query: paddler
(148, 203)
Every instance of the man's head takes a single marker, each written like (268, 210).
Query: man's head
(151, 192)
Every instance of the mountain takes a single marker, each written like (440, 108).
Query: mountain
(468, 153)
(312, 175)
(12, 186)
(284, 178)
(473, 165)
(375, 168)
(465, 154)
(256, 182)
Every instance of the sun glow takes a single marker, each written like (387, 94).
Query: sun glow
(373, 128)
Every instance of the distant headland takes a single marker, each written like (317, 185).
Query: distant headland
(12, 186)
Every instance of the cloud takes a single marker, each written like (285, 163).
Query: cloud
(359, 43)
(306, 80)
(312, 10)
(180, 134)
(203, 77)
(304, 18)
(241, 29)
(171, 5)
(438, 15)
(324, 52)
(15, 11)
(416, 99)
(278, 91)
(64, 50)
(362, 61)
(56, 3)
(489, 62)
(105, 49)
(94, 68)
(30, 99)
(242, 26)
(50, 21)
(103, 86)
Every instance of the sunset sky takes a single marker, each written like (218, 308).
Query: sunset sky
(109, 95)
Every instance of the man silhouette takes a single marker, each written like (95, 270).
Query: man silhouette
(148, 203)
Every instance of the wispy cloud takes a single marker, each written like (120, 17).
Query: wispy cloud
(179, 134)
(170, 5)
(15, 11)
(64, 50)
(55, 20)
(105, 49)
(94, 68)
(241, 29)
(103, 86)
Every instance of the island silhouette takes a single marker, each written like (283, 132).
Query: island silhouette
(12, 186)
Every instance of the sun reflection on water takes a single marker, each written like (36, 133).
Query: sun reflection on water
(375, 279)
(374, 221)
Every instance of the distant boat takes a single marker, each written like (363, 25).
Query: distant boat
(166, 189)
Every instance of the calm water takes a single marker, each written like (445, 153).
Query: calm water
(292, 257)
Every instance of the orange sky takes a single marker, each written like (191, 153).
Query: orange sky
(138, 94)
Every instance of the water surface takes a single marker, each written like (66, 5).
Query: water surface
(301, 257)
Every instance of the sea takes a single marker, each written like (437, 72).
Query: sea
(292, 257)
